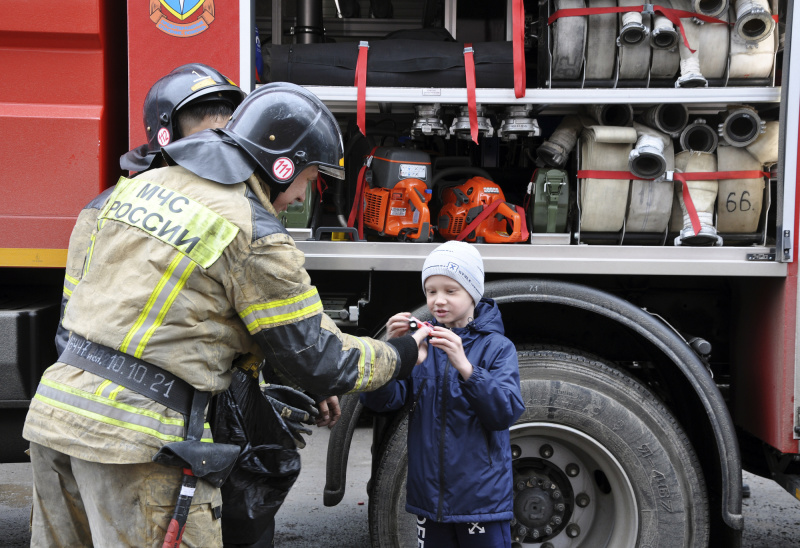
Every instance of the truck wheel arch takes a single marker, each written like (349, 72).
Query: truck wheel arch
(663, 337)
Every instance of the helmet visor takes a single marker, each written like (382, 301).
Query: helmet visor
(337, 172)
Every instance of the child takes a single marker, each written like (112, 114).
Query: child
(463, 397)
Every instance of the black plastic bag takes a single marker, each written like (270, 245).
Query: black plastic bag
(266, 469)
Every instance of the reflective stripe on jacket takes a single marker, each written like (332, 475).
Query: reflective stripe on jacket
(187, 274)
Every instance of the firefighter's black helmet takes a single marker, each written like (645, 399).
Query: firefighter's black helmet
(192, 83)
(285, 128)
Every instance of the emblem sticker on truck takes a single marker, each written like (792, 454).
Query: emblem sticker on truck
(182, 18)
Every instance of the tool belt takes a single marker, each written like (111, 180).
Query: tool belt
(134, 374)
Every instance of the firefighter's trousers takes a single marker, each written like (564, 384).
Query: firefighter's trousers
(77, 503)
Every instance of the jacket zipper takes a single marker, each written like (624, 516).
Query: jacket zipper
(445, 382)
(414, 403)
(488, 445)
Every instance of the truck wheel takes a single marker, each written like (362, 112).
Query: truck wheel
(390, 526)
(598, 461)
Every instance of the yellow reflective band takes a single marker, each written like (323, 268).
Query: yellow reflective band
(107, 420)
(123, 406)
(187, 225)
(88, 259)
(79, 395)
(283, 310)
(99, 391)
(307, 311)
(371, 363)
(70, 279)
(360, 378)
(149, 305)
(114, 393)
(163, 312)
(204, 83)
(283, 302)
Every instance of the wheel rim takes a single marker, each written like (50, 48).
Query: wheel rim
(569, 490)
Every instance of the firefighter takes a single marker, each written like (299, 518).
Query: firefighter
(188, 269)
(190, 98)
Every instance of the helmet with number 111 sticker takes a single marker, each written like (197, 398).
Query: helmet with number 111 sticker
(284, 128)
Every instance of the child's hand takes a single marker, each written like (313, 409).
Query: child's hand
(422, 352)
(397, 326)
(448, 341)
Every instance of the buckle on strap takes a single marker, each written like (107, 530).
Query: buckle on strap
(134, 374)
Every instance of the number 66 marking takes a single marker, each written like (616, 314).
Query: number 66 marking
(744, 203)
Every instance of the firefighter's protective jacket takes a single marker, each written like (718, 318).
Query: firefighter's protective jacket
(187, 274)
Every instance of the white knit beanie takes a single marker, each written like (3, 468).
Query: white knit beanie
(459, 261)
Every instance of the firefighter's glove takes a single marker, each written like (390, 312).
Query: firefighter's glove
(295, 409)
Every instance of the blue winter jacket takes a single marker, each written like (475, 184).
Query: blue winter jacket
(459, 454)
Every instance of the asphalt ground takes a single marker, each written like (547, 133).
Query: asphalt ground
(772, 516)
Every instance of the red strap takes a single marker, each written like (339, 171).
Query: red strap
(479, 219)
(689, 176)
(469, 68)
(673, 15)
(322, 186)
(361, 84)
(683, 178)
(518, 36)
(357, 210)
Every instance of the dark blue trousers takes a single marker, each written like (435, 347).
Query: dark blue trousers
(485, 534)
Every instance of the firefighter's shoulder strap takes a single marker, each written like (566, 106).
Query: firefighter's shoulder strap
(134, 374)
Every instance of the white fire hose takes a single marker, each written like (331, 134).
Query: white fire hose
(765, 147)
(699, 137)
(712, 8)
(741, 126)
(603, 202)
(650, 201)
(703, 195)
(740, 200)
(669, 118)
(754, 21)
(634, 46)
(664, 40)
(556, 150)
(710, 42)
(753, 40)
(569, 39)
(601, 42)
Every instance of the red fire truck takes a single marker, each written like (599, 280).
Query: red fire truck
(656, 362)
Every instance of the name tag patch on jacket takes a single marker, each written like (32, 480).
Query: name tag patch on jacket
(188, 226)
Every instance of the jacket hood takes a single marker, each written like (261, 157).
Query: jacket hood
(211, 154)
(139, 159)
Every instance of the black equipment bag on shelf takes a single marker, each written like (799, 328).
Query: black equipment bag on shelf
(390, 63)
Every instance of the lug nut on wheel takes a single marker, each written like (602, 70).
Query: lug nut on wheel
(582, 500)
(546, 451)
(573, 470)
(573, 530)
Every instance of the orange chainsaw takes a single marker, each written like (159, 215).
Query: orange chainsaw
(477, 211)
(396, 196)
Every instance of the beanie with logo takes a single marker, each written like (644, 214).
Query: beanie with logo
(459, 261)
